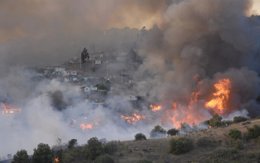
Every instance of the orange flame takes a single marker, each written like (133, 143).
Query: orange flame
(8, 109)
(220, 99)
(155, 108)
(132, 119)
(86, 126)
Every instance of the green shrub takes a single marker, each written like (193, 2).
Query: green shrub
(42, 154)
(180, 145)
(111, 147)
(239, 119)
(215, 121)
(253, 133)
(140, 136)
(144, 161)
(72, 143)
(235, 134)
(206, 142)
(21, 157)
(157, 131)
(94, 148)
(172, 132)
(104, 159)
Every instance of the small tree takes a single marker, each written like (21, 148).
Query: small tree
(72, 143)
(172, 132)
(94, 148)
(42, 154)
(235, 134)
(140, 136)
(21, 157)
(215, 121)
(180, 145)
(157, 131)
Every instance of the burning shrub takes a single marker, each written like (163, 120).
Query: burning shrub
(157, 131)
(180, 145)
(235, 134)
(94, 148)
(239, 119)
(253, 133)
(72, 143)
(21, 157)
(172, 132)
(111, 147)
(206, 142)
(104, 159)
(140, 136)
(42, 154)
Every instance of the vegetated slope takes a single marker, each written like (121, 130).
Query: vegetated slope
(211, 145)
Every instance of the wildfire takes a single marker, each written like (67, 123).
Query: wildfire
(86, 126)
(155, 108)
(220, 99)
(8, 109)
(132, 119)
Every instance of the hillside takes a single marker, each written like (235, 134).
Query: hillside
(223, 150)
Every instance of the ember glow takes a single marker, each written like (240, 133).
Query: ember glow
(9, 109)
(132, 119)
(219, 101)
(86, 126)
(155, 107)
(56, 160)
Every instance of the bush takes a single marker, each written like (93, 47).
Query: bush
(102, 87)
(253, 133)
(239, 119)
(42, 154)
(206, 142)
(104, 159)
(235, 134)
(72, 143)
(180, 145)
(140, 136)
(172, 132)
(94, 148)
(215, 121)
(157, 131)
(111, 147)
(21, 157)
(144, 161)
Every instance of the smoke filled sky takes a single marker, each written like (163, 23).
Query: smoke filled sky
(256, 6)
(47, 31)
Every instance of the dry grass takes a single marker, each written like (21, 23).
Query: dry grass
(157, 150)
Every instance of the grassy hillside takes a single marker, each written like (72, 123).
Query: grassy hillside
(231, 143)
